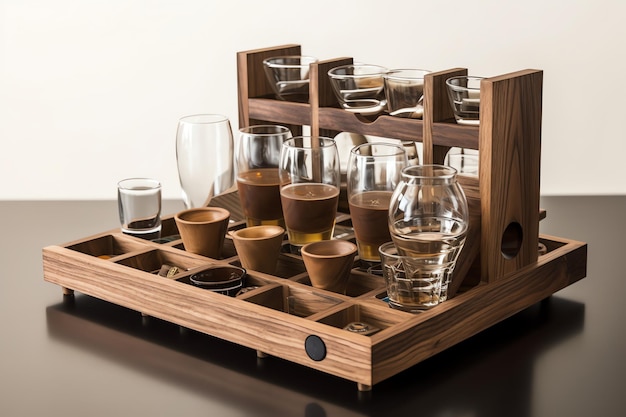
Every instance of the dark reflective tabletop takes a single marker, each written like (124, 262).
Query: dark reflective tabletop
(78, 356)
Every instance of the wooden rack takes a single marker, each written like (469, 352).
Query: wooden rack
(499, 274)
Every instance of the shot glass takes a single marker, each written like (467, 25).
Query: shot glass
(404, 89)
(257, 156)
(309, 165)
(139, 204)
(374, 170)
(411, 285)
(464, 95)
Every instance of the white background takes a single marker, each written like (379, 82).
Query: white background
(91, 91)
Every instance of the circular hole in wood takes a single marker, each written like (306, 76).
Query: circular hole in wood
(511, 240)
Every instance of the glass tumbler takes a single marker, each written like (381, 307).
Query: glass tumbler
(257, 157)
(204, 156)
(404, 89)
(374, 171)
(139, 205)
(429, 219)
(309, 166)
(464, 97)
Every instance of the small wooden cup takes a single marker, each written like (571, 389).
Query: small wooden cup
(203, 230)
(328, 263)
(258, 247)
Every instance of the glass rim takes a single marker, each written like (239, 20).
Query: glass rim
(204, 118)
(250, 130)
(450, 82)
(406, 74)
(400, 149)
(146, 182)
(383, 250)
(304, 61)
(324, 142)
(380, 70)
(420, 172)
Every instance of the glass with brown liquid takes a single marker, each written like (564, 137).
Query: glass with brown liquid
(374, 170)
(258, 182)
(309, 166)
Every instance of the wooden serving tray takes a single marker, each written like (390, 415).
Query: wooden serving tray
(288, 318)
(498, 274)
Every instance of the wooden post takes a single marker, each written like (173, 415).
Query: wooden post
(510, 154)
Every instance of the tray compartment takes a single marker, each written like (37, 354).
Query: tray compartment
(359, 284)
(107, 246)
(379, 318)
(228, 249)
(151, 261)
(288, 265)
(294, 300)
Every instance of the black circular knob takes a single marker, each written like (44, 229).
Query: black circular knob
(315, 348)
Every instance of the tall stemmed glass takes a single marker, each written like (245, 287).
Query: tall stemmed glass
(204, 155)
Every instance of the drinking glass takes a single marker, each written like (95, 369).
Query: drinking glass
(464, 160)
(374, 171)
(139, 205)
(428, 219)
(309, 165)
(409, 287)
(257, 157)
(404, 89)
(204, 155)
(464, 96)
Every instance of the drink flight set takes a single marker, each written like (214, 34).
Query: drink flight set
(292, 184)
(409, 220)
(323, 225)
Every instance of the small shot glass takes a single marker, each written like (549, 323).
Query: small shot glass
(139, 204)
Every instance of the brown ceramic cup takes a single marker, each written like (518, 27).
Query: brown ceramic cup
(328, 263)
(203, 229)
(258, 247)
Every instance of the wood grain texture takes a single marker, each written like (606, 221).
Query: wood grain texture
(251, 79)
(436, 109)
(478, 309)
(510, 155)
(261, 321)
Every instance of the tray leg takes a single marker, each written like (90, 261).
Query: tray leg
(261, 355)
(363, 387)
(67, 291)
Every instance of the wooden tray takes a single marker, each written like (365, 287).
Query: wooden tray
(499, 274)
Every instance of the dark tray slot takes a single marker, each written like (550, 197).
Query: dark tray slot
(152, 261)
(107, 246)
(299, 302)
